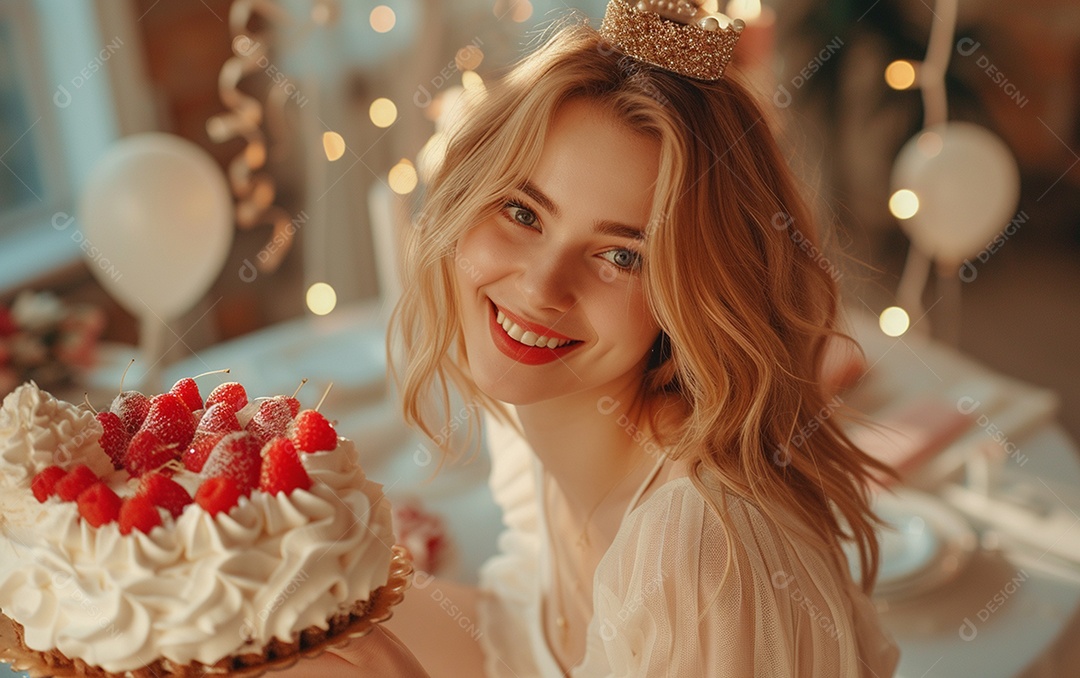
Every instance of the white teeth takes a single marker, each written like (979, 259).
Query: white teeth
(519, 334)
(515, 332)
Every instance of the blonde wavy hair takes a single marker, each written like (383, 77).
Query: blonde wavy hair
(745, 313)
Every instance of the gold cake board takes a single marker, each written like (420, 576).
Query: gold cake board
(381, 606)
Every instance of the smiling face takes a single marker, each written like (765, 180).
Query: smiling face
(550, 288)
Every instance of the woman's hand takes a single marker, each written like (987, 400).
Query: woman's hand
(381, 653)
(378, 654)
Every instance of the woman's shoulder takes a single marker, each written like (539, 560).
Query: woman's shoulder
(671, 514)
(697, 561)
(679, 509)
(677, 490)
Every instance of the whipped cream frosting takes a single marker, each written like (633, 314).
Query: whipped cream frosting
(197, 588)
(37, 430)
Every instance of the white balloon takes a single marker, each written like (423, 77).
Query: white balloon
(967, 184)
(158, 208)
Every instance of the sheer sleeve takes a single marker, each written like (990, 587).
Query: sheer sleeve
(784, 609)
(509, 580)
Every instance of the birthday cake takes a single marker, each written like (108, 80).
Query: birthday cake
(173, 536)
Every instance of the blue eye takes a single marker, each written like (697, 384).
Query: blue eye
(625, 259)
(621, 257)
(514, 210)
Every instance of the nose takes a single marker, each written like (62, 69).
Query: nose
(547, 280)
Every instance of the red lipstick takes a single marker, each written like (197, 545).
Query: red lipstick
(526, 355)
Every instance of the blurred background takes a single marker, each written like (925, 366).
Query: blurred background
(318, 111)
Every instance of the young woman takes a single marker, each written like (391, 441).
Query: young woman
(605, 265)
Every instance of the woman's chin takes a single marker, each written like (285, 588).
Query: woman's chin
(509, 393)
(508, 386)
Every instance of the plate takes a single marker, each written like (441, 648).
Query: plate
(928, 545)
(908, 549)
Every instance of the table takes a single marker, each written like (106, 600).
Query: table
(1020, 634)
(1029, 604)
(928, 629)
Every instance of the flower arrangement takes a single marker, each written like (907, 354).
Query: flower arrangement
(44, 339)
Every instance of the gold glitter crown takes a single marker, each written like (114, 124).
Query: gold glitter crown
(675, 35)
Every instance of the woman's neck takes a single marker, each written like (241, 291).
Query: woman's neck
(588, 443)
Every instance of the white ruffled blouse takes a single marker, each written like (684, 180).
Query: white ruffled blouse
(658, 607)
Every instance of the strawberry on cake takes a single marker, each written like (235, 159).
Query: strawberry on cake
(175, 536)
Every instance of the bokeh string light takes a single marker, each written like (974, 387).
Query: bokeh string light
(929, 77)
(954, 184)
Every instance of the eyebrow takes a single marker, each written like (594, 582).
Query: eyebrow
(602, 226)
